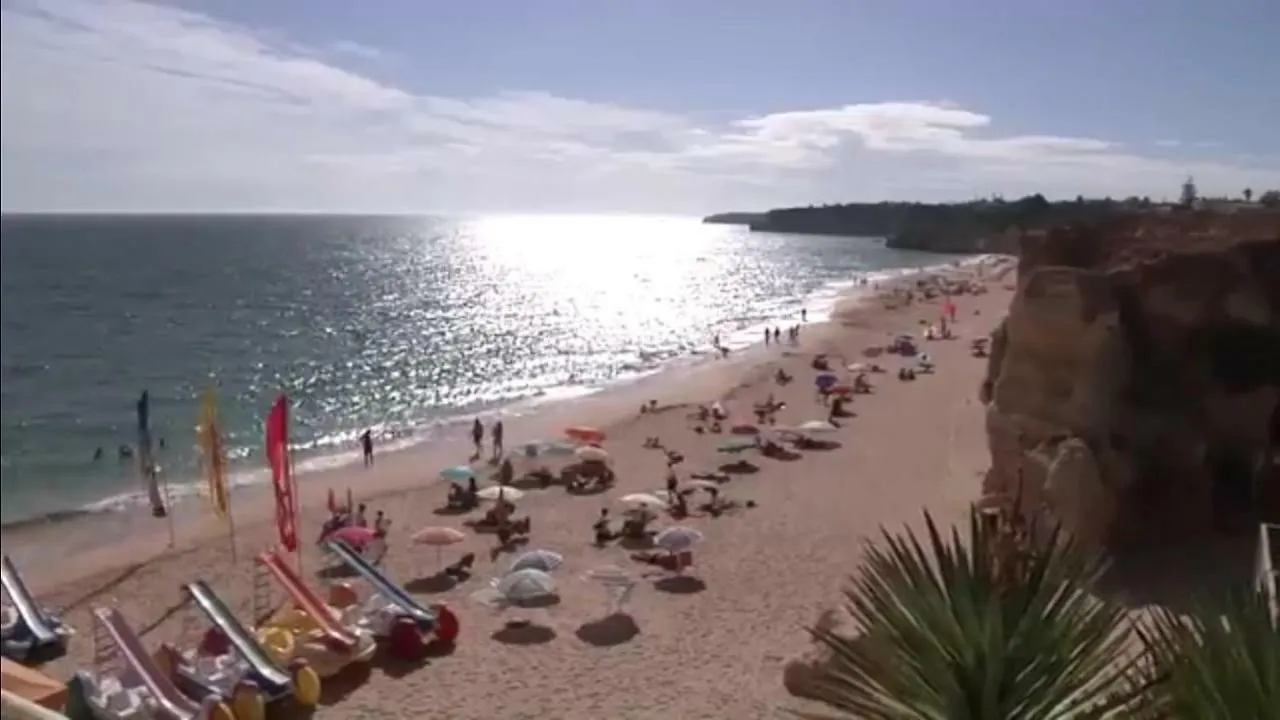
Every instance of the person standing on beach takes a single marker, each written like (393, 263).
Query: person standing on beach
(804, 315)
(496, 433)
(366, 445)
(766, 337)
(477, 436)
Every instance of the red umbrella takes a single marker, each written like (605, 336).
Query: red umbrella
(354, 535)
(842, 390)
(588, 435)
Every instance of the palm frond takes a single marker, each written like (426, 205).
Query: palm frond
(1221, 662)
(974, 627)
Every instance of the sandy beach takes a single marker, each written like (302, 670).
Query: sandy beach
(711, 649)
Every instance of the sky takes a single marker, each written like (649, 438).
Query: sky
(645, 106)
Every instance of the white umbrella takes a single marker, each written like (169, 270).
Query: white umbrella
(525, 585)
(590, 453)
(703, 484)
(816, 426)
(858, 367)
(618, 585)
(495, 492)
(642, 499)
(677, 539)
(543, 560)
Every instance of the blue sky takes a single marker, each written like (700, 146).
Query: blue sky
(623, 105)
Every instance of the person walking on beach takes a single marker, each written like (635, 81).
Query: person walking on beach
(804, 315)
(496, 434)
(477, 436)
(366, 445)
(360, 520)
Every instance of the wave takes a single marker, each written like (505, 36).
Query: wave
(339, 449)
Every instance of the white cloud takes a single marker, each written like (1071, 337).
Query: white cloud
(114, 104)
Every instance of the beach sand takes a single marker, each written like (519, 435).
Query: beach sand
(708, 649)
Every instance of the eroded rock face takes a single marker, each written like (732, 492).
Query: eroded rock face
(1131, 386)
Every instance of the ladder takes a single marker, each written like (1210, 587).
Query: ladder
(262, 606)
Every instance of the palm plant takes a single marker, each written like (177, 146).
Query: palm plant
(1222, 662)
(983, 627)
(995, 626)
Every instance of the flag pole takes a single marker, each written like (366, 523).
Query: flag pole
(231, 525)
(297, 508)
(168, 504)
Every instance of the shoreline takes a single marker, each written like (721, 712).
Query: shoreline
(246, 475)
(772, 567)
(129, 530)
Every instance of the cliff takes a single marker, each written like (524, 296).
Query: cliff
(1133, 390)
(734, 218)
(984, 226)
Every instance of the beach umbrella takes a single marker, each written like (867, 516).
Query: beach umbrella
(590, 453)
(495, 492)
(617, 583)
(458, 473)
(826, 380)
(642, 500)
(816, 426)
(736, 445)
(550, 449)
(703, 485)
(858, 367)
(677, 539)
(438, 537)
(354, 535)
(544, 560)
(524, 586)
(584, 434)
(842, 390)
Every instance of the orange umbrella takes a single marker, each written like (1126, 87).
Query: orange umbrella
(585, 434)
(438, 536)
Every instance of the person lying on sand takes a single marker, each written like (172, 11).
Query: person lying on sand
(669, 561)
(652, 443)
(781, 377)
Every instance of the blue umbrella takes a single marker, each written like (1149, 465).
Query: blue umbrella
(543, 560)
(677, 539)
(458, 473)
(826, 380)
(737, 444)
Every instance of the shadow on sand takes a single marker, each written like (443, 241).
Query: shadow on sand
(739, 467)
(339, 571)
(680, 585)
(432, 584)
(524, 633)
(337, 688)
(609, 631)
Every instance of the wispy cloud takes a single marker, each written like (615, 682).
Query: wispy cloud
(121, 104)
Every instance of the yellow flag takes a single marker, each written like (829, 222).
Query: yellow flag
(215, 458)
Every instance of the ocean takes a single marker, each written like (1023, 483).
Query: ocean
(401, 325)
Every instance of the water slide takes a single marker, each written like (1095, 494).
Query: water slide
(269, 677)
(170, 703)
(305, 599)
(390, 591)
(32, 616)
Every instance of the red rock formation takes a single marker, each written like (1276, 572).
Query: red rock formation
(1132, 386)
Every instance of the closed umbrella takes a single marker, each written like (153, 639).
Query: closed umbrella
(544, 560)
(618, 585)
(826, 380)
(590, 453)
(438, 537)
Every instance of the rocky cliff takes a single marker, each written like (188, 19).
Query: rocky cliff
(1134, 387)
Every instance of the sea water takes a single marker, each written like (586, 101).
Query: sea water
(395, 324)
